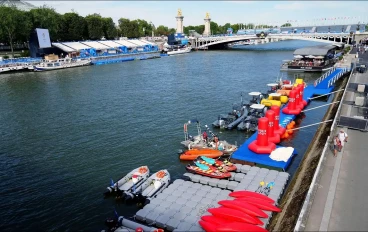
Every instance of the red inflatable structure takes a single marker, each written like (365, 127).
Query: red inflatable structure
(301, 95)
(262, 145)
(292, 107)
(277, 128)
(272, 137)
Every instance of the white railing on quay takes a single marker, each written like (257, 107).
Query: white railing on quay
(304, 213)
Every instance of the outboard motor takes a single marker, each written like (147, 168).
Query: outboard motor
(111, 224)
(128, 196)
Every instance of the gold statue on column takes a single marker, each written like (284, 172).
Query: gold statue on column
(179, 12)
(207, 15)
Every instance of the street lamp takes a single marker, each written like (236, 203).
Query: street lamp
(153, 29)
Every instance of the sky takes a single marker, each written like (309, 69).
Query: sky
(300, 13)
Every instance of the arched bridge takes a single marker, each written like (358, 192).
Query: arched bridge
(219, 42)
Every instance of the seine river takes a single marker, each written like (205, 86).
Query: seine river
(65, 133)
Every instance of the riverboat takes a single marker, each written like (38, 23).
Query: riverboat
(312, 59)
(48, 65)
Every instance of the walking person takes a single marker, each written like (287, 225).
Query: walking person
(337, 145)
(343, 137)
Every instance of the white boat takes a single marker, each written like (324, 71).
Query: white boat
(48, 65)
(152, 186)
(177, 51)
(15, 67)
(122, 224)
(129, 182)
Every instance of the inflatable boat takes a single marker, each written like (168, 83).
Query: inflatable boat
(129, 182)
(210, 171)
(195, 153)
(228, 166)
(154, 185)
(250, 123)
(125, 225)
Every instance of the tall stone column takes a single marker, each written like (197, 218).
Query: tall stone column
(207, 25)
(179, 22)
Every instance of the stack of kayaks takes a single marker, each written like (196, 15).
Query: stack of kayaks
(228, 166)
(195, 153)
(208, 170)
(241, 214)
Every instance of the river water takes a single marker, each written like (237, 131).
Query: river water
(65, 133)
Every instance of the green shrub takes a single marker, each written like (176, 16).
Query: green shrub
(6, 57)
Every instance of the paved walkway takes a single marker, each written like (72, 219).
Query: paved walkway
(341, 200)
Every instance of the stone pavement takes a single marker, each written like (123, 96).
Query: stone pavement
(341, 200)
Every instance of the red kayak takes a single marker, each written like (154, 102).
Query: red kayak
(244, 207)
(239, 226)
(239, 194)
(234, 215)
(260, 204)
(207, 226)
(215, 220)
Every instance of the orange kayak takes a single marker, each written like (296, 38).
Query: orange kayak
(195, 153)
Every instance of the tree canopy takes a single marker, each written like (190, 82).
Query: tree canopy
(286, 25)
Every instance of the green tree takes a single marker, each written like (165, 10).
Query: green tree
(172, 31)
(46, 17)
(214, 28)
(73, 27)
(286, 25)
(162, 30)
(15, 25)
(124, 25)
(109, 28)
(95, 26)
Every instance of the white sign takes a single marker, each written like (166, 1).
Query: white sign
(43, 38)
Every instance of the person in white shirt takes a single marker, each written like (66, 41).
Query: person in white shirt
(343, 137)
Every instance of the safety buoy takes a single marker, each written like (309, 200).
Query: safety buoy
(160, 174)
(142, 170)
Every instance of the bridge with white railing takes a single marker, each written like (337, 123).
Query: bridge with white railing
(218, 42)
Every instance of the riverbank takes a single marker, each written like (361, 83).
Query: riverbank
(299, 186)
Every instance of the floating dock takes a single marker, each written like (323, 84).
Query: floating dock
(323, 85)
(181, 205)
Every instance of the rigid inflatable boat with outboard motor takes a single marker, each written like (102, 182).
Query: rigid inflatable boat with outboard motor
(250, 123)
(129, 182)
(201, 142)
(121, 224)
(151, 187)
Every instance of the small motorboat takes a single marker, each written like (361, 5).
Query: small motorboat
(232, 119)
(250, 123)
(129, 182)
(154, 185)
(121, 224)
(199, 142)
(195, 153)
(223, 120)
(209, 171)
(228, 166)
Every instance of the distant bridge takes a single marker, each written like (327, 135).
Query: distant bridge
(220, 42)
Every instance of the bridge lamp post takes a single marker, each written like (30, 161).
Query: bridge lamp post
(153, 29)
